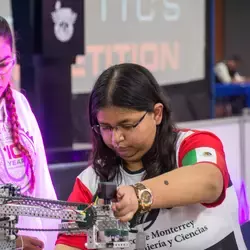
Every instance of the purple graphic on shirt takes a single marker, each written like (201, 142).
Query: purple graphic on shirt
(12, 164)
(243, 205)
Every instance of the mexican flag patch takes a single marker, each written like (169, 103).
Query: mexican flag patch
(199, 155)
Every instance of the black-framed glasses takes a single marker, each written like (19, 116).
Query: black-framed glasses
(124, 128)
(7, 65)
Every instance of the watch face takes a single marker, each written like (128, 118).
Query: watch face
(146, 197)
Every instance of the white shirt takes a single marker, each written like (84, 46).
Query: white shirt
(222, 73)
(12, 168)
(190, 227)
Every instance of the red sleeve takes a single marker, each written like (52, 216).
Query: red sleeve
(208, 140)
(80, 193)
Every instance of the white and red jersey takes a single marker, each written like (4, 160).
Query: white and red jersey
(195, 227)
(13, 170)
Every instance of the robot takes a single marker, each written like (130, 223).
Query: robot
(97, 221)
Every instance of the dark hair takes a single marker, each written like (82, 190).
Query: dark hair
(5, 32)
(132, 86)
(236, 58)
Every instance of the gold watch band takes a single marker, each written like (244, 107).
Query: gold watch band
(139, 188)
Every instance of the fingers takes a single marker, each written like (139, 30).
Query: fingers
(36, 242)
(119, 193)
(29, 243)
(124, 207)
(31, 247)
(121, 209)
(127, 204)
(122, 203)
(129, 216)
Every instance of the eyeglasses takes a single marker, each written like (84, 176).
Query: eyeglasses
(124, 129)
(6, 65)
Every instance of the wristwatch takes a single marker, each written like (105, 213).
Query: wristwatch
(144, 196)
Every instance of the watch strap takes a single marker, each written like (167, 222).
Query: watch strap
(141, 207)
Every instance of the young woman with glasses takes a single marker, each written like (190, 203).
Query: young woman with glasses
(22, 156)
(173, 185)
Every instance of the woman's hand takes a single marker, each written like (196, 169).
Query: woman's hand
(127, 203)
(29, 243)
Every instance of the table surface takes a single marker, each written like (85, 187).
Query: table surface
(226, 90)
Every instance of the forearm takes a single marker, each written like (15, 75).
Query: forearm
(201, 183)
(64, 247)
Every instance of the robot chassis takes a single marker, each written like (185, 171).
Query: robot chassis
(97, 221)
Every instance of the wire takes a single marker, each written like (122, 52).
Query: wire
(89, 206)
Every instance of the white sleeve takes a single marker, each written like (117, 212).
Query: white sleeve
(43, 185)
(222, 73)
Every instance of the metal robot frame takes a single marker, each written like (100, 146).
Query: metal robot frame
(97, 221)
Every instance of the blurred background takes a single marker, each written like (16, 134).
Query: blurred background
(197, 50)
